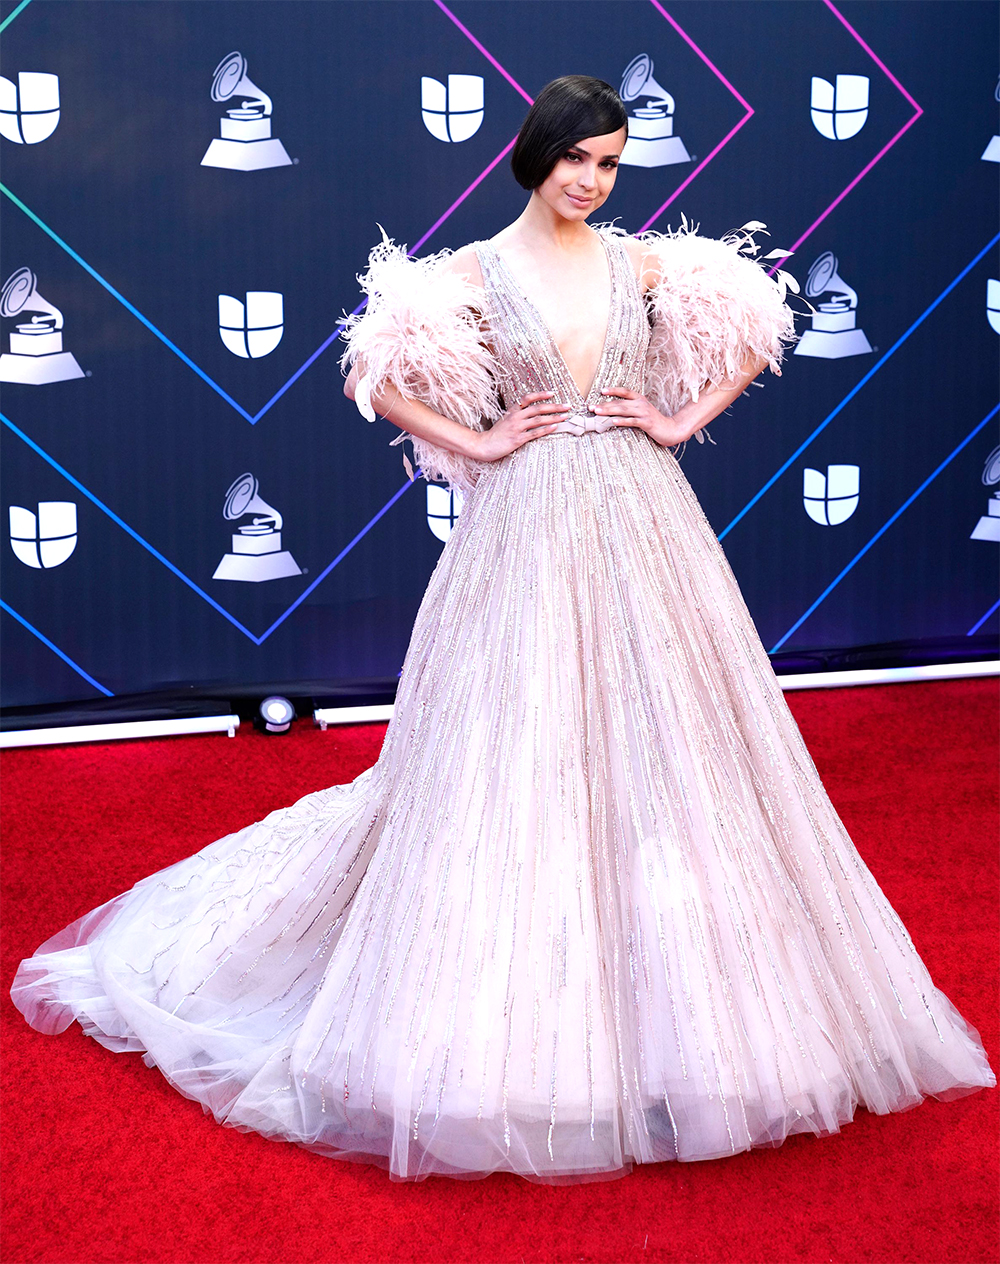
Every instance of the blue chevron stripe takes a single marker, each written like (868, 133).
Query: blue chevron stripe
(885, 527)
(55, 648)
(864, 381)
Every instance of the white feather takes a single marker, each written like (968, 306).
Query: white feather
(711, 309)
(419, 335)
(363, 397)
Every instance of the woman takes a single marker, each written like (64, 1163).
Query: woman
(592, 905)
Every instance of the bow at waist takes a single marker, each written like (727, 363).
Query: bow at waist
(583, 423)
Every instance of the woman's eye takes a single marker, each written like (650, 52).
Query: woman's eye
(608, 166)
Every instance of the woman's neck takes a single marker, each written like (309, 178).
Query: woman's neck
(539, 227)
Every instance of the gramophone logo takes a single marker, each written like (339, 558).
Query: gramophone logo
(36, 355)
(454, 113)
(443, 508)
(257, 553)
(992, 151)
(45, 539)
(988, 526)
(993, 304)
(29, 110)
(831, 498)
(254, 328)
(651, 140)
(834, 333)
(840, 112)
(246, 143)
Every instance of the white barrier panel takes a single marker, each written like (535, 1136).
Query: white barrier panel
(888, 675)
(325, 716)
(116, 732)
(352, 715)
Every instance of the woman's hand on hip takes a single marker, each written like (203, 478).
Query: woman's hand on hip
(631, 409)
(534, 415)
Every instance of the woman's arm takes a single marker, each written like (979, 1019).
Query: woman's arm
(635, 410)
(534, 415)
(700, 360)
(419, 420)
(410, 414)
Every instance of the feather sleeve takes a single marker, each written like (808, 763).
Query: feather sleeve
(712, 308)
(420, 334)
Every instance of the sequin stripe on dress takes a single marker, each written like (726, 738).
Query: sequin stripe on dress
(528, 359)
(624, 362)
(524, 360)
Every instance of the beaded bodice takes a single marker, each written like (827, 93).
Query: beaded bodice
(527, 357)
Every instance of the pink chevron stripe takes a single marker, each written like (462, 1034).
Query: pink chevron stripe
(701, 165)
(485, 52)
(710, 64)
(517, 87)
(461, 198)
(877, 60)
(885, 148)
(729, 135)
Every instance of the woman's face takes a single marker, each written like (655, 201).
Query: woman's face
(584, 176)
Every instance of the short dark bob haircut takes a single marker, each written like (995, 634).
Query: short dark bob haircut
(567, 110)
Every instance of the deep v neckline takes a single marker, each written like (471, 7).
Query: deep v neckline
(546, 332)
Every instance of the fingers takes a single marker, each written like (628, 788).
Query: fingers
(545, 406)
(536, 423)
(530, 399)
(637, 407)
(535, 415)
(538, 431)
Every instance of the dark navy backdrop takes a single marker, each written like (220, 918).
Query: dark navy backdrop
(134, 240)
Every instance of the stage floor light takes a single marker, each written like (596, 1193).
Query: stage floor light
(275, 715)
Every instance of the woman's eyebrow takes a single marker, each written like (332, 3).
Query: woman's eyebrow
(580, 149)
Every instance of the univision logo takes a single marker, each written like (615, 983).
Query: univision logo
(443, 507)
(454, 113)
(993, 304)
(830, 499)
(252, 329)
(29, 111)
(840, 112)
(46, 539)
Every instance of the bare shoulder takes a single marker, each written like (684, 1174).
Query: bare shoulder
(464, 262)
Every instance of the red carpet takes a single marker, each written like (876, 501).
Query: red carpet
(104, 1162)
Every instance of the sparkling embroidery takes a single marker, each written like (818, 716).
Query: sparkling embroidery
(591, 906)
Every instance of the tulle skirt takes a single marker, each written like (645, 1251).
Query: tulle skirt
(591, 907)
